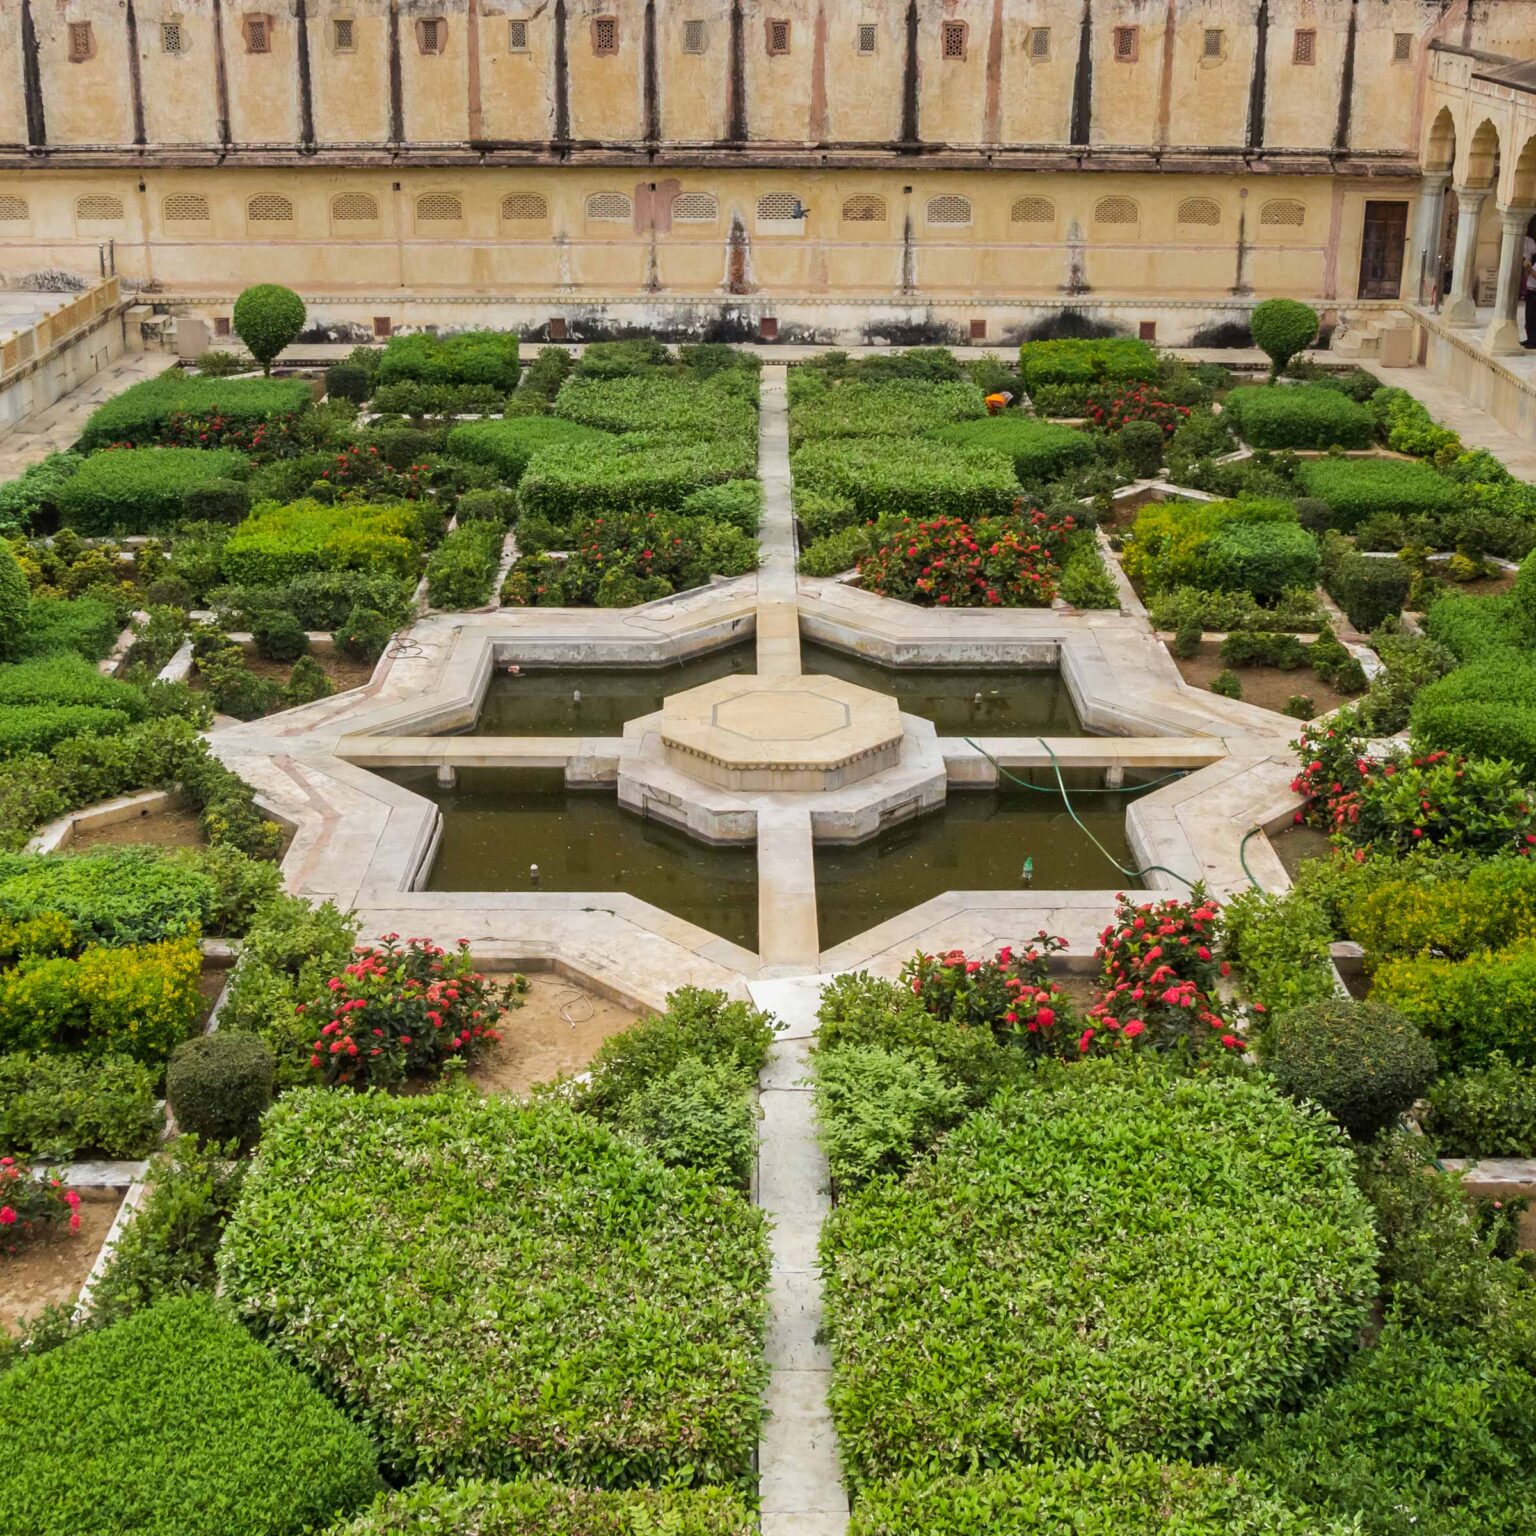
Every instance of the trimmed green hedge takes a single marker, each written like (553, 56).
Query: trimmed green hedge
(59, 1106)
(1115, 1257)
(723, 405)
(509, 444)
(1356, 489)
(912, 478)
(1112, 359)
(462, 569)
(1134, 1496)
(1470, 1008)
(547, 1509)
(470, 357)
(84, 625)
(140, 413)
(277, 543)
(140, 490)
(38, 727)
(886, 408)
(174, 1422)
(503, 1290)
(1369, 588)
(1471, 627)
(1263, 559)
(1040, 450)
(1484, 709)
(62, 680)
(567, 482)
(1300, 416)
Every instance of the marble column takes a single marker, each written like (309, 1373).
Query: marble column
(1424, 252)
(1503, 334)
(1462, 309)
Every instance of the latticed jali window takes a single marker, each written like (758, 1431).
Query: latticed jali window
(609, 207)
(439, 208)
(524, 208)
(695, 36)
(1116, 210)
(778, 37)
(344, 34)
(952, 39)
(1127, 40)
(1304, 48)
(432, 34)
(778, 208)
(517, 37)
(864, 209)
(269, 208)
(81, 43)
(605, 35)
(354, 208)
(186, 208)
(1284, 211)
(172, 38)
(1214, 40)
(99, 208)
(1199, 210)
(867, 37)
(1032, 210)
(949, 209)
(1039, 42)
(13, 210)
(695, 208)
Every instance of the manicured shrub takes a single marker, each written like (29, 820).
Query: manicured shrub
(1364, 1063)
(144, 412)
(1281, 328)
(365, 632)
(1264, 559)
(1227, 684)
(140, 490)
(67, 680)
(319, 600)
(738, 503)
(1171, 543)
(267, 317)
(724, 405)
(1040, 450)
(461, 571)
(1300, 416)
(1299, 706)
(633, 475)
(347, 381)
(1279, 945)
(307, 682)
(34, 1203)
(1487, 708)
(85, 626)
(1140, 445)
(1129, 1496)
(617, 1305)
(275, 543)
(1248, 1199)
(1186, 641)
(187, 1421)
(470, 357)
(1359, 488)
(57, 1107)
(1487, 1112)
(234, 689)
(1445, 907)
(701, 1115)
(15, 600)
(835, 553)
(1004, 562)
(32, 495)
(1472, 627)
(1085, 362)
(498, 507)
(279, 636)
(218, 501)
(883, 408)
(40, 727)
(1086, 582)
(1253, 648)
(1470, 1008)
(911, 478)
(1181, 605)
(218, 1086)
(547, 1509)
(508, 445)
(1369, 588)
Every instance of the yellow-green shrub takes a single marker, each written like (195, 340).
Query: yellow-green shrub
(277, 543)
(1492, 906)
(1469, 1008)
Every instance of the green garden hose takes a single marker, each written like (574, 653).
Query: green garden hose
(1066, 800)
(1242, 855)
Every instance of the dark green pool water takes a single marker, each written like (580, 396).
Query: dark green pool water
(978, 842)
(541, 701)
(497, 822)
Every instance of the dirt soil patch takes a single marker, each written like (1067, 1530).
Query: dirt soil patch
(557, 1030)
(1484, 586)
(344, 671)
(209, 984)
(1268, 687)
(1295, 845)
(160, 829)
(53, 1267)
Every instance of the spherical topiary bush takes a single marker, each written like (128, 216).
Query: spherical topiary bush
(1282, 328)
(267, 317)
(219, 1085)
(1109, 1257)
(15, 600)
(279, 636)
(1363, 1062)
(1141, 445)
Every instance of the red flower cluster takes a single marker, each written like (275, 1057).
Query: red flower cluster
(29, 1205)
(1012, 995)
(1134, 402)
(273, 438)
(944, 561)
(1158, 979)
(359, 468)
(405, 1008)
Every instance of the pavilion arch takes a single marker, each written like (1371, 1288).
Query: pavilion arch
(1482, 156)
(1440, 151)
(1522, 190)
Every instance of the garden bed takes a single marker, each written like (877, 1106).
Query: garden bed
(1268, 687)
(177, 827)
(51, 1268)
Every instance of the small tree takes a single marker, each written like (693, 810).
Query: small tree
(1282, 327)
(267, 318)
(15, 600)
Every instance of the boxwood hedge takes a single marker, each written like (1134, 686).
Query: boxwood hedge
(174, 1422)
(1358, 488)
(885, 408)
(547, 1509)
(277, 543)
(1113, 1257)
(1484, 709)
(503, 1290)
(509, 444)
(139, 415)
(633, 475)
(140, 490)
(1133, 1496)
(1085, 361)
(37, 727)
(57, 681)
(912, 478)
(723, 405)
(470, 357)
(1471, 627)
(1470, 1008)
(1300, 416)
(1040, 450)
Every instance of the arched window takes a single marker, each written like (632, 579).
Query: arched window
(695, 208)
(269, 208)
(864, 209)
(13, 210)
(1200, 211)
(524, 208)
(1116, 210)
(186, 208)
(1285, 211)
(948, 209)
(439, 208)
(354, 208)
(1032, 210)
(98, 208)
(610, 207)
(779, 208)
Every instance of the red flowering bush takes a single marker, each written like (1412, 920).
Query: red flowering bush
(1110, 409)
(996, 562)
(399, 1009)
(1012, 995)
(359, 468)
(1399, 800)
(275, 437)
(1158, 979)
(29, 1205)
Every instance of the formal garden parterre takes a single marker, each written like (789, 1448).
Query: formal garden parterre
(1160, 1245)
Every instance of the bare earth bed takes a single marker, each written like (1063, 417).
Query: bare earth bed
(53, 1267)
(539, 1041)
(163, 829)
(1268, 687)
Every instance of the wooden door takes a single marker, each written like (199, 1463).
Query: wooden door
(1381, 250)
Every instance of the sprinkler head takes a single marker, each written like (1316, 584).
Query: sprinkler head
(533, 873)
(977, 699)
(576, 696)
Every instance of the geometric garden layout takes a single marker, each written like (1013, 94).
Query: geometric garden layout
(1004, 1118)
